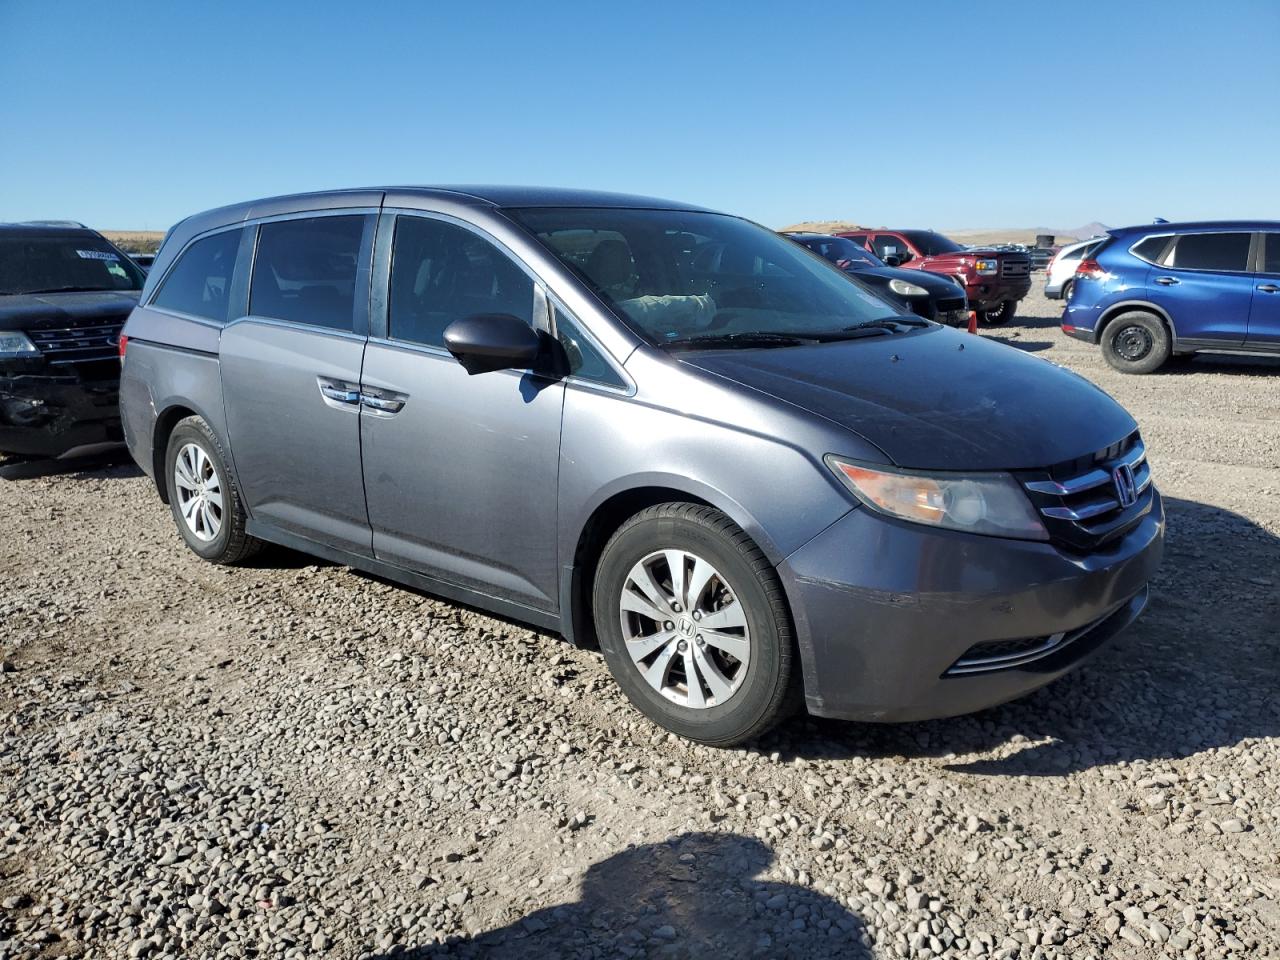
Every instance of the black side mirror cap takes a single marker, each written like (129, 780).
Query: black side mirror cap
(486, 342)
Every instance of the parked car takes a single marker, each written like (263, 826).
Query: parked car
(144, 260)
(994, 280)
(65, 292)
(1060, 274)
(1150, 292)
(672, 430)
(932, 297)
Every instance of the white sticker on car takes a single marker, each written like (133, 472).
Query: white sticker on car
(97, 255)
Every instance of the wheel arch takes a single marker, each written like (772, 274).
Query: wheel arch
(169, 417)
(1125, 306)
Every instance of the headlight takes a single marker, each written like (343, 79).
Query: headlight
(986, 268)
(13, 343)
(905, 289)
(986, 503)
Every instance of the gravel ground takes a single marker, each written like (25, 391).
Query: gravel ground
(295, 760)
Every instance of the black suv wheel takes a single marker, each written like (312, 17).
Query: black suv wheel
(1136, 342)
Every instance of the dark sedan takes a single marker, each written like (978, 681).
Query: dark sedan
(934, 297)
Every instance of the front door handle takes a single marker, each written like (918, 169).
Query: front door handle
(339, 393)
(386, 403)
(1269, 288)
(1167, 281)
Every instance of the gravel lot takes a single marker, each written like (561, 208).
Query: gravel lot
(295, 760)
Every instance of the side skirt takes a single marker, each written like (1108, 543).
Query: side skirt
(1216, 346)
(409, 578)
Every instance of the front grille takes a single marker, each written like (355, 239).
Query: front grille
(78, 344)
(1015, 267)
(950, 304)
(1005, 654)
(1082, 501)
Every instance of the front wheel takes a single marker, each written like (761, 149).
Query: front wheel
(694, 626)
(1136, 342)
(1001, 314)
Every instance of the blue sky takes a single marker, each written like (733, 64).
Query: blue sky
(944, 114)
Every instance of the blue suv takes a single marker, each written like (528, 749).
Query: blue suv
(1165, 289)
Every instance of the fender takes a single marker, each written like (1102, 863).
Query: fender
(1123, 305)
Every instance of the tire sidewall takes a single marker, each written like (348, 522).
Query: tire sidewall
(183, 434)
(726, 722)
(1160, 345)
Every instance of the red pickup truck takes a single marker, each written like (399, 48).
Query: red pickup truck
(993, 280)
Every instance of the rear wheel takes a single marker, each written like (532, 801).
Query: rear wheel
(693, 625)
(1136, 342)
(1066, 289)
(205, 502)
(1002, 314)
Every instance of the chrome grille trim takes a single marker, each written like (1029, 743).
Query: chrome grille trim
(63, 345)
(1094, 478)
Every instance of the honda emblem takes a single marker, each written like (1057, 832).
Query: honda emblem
(1126, 486)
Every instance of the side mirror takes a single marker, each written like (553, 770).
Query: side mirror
(492, 341)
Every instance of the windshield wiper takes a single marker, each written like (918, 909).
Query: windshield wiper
(761, 338)
(72, 289)
(892, 324)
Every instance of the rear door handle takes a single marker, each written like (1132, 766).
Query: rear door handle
(385, 403)
(339, 393)
(1269, 288)
(1167, 281)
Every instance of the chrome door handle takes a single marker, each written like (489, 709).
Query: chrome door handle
(339, 392)
(1269, 288)
(1167, 281)
(383, 402)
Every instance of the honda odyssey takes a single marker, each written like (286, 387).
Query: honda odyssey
(752, 480)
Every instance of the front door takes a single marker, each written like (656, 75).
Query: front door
(1204, 283)
(1264, 313)
(460, 471)
(291, 379)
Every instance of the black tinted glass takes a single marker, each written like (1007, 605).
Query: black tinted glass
(1271, 259)
(1211, 251)
(932, 244)
(585, 360)
(886, 246)
(305, 271)
(1150, 248)
(200, 282)
(441, 272)
(35, 264)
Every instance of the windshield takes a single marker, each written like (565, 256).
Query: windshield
(931, 244)
(49, 264)
(674, 275)
(842, 250)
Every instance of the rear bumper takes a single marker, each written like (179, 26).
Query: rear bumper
(45, 416)
(1053, 291)
(886, 611)
(1079, 333)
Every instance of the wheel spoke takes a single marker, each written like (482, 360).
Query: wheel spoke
(720, 685)
(675, 564)
(637, 604)
(641, 647)
(737, 647)
(656, 674)
(730, 616)
(188, 508)
(691, 679)
(642, 579)
(698, 579)
(214, 497)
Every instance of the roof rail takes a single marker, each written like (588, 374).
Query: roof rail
(52, 223)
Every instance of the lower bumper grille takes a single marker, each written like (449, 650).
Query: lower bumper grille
(995, 655)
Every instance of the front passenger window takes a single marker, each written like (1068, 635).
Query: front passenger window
(442, 272)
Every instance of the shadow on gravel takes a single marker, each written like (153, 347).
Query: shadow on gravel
(1013, 340)
(109, 463)
(692, 896)
(1197, 672)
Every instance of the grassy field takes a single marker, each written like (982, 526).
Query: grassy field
(138, 241)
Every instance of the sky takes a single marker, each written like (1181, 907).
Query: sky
(952, 115)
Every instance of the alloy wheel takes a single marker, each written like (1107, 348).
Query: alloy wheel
(199, 492)
(684, 629)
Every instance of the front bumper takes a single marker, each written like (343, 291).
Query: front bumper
(48, 416)
(888, 613)
(988, 293)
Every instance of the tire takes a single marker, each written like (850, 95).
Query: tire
(1136, 342)
(1066, 289)
(1001, 314)
(215, 531)
(758, 686)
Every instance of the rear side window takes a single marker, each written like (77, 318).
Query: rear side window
(200, 282)
(1271, 258)
(887, 245)
(1210, 251)
(442, 272)
(305, 271)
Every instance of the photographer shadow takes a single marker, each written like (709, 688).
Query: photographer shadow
(691, 896)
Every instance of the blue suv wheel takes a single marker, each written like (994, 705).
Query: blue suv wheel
(1136, 342)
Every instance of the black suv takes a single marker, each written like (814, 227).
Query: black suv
(65, 292)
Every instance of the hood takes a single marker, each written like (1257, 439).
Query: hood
(938, 286)
(937, 398)
(27, 311)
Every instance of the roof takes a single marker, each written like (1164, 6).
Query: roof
(47, 228)
(1196, 225)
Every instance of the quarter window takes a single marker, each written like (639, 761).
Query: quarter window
(1210, 251)
(585, 360)
(305, 271)
(200, 282)
(442, 272)
(1271, 259)
(1148, 249)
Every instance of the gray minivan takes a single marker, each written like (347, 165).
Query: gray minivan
(747, 476)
